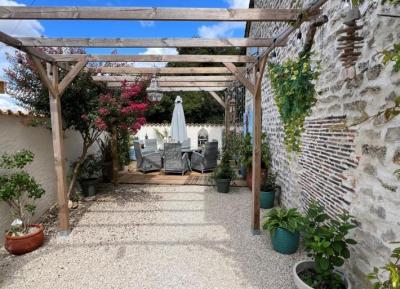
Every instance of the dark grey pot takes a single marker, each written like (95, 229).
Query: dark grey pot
(223, 185)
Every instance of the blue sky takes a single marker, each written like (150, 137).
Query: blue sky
(112, 29)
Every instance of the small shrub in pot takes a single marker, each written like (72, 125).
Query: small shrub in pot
(89, 174)
(224, 173)
(19, 190)
(284, 226)
(268, 189)
(327, 244)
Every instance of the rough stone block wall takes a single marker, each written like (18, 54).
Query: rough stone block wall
(348, 169)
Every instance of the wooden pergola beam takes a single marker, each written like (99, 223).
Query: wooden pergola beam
(156, 58)
(176, 89)
(161, 70)
(145, 42)
(217, 98)
(187, 84)
(241, 77)
(131, 78)
(13, 42)
(144, 13)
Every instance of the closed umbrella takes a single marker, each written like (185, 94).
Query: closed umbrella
(178, 123)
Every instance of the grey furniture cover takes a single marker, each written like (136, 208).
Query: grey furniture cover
(147, 162)
(186, 144)
(207, 160)
(150, 146)
(174, 161)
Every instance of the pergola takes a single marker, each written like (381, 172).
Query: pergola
(209, 79)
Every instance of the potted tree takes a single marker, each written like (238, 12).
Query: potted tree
(326, 242)
(89, 175)
(392, 272)
(268, 189)
(19, 190)
(284, 227)
(224, 174)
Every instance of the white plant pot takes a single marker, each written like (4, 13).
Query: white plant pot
(308, 264)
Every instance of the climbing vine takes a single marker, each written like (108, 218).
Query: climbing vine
(393, 55)
(293, 86)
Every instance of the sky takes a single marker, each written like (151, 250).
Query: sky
(112, 29)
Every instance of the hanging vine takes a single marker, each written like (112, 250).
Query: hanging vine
(293, 86)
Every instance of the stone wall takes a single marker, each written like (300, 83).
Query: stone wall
(345, 164)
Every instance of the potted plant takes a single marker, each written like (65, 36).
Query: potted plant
(268, 189)
(223, 174)
(326, 242)
(89, 175)
(247, 158)
(106, 158)
(392, 272)
(284, 227)
(19, 190)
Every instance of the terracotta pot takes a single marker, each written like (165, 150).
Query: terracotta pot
(19, 245)
(249, 177)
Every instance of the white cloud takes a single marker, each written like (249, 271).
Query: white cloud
(16, 28)
(224, 29)
(220, 30)
(238, 3)
(147, 23)
(156, 51)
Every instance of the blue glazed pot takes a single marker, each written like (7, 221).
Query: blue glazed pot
(267, 200)
(285, 242)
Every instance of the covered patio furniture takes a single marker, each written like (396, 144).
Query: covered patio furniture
(147, 162)
(207, 160)
(174, 161)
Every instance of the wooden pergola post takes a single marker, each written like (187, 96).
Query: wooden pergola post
(58, 151)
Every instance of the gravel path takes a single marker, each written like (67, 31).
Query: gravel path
(156, 237)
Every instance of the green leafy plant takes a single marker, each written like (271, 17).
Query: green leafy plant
(397, 173)
(326, 242)
(246, 151)
(293, 85)
(18, 189)
(91, 167)
(392, 268)
(224, 170)
(290, 220)
(269, 184)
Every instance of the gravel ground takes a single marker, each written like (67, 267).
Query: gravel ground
(156, 237)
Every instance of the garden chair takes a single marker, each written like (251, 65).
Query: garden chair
(174, 161)
(147, 162)
(186, 144)
(150, 146)
(207, 160)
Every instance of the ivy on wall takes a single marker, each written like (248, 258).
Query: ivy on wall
(393, 55)
(293, 86)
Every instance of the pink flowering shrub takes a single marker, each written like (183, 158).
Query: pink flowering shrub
(124, 110)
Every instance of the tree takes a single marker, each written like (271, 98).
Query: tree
(79, 101)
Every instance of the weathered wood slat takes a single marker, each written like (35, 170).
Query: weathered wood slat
(144, 42)
(156, 58)
(162, 70)
(241, 77)
(217, 98)
(144, 13)
(190, 84)
(130, 78)
(177, 89)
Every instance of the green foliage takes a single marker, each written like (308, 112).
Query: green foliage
(392, 270)
(326, 242)
(234, 145)
(392, 2)
(290, 220)
(17, 188)
(393, 55)
(294, 90)
(246, 151)
(123, 146)
(105, 149)
(224, 170)
(269, 184)
(397, 173)
(91, 167)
